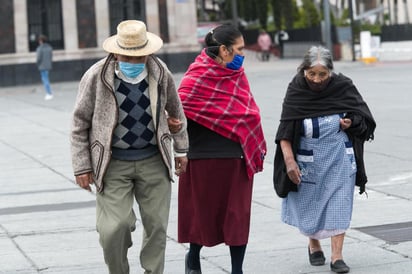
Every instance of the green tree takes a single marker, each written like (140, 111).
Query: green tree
(247, 9)
(310, 14)
(287, 12)
(296, 12)
(262, 11)
(277, 13)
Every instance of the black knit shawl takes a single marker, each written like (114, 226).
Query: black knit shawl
(340, 96)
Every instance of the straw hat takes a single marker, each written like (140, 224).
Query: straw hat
(132, 39)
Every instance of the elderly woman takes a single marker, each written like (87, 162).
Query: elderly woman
(319, 155)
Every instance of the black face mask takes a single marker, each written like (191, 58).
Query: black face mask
(317, 86)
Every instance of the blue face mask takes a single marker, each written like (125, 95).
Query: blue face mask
(131, 70)
(236, 63)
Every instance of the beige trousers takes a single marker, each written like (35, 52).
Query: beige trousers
(147, 182)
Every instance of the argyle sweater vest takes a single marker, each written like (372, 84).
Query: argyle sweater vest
(133, 137)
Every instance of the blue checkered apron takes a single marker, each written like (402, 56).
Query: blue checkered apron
(324, 199)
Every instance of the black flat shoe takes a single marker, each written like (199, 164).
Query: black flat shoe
(187, 269)
(316, 258)
(339, 266)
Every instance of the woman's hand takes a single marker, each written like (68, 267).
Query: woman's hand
(292, 167)
(293, 171)
(345, 123)
(174, 124)
(180, 165)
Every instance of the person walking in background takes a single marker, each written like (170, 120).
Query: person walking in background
(324, 124)
(121, 142)
(280, 38)
(227, 148)
(44, 56)
(265, 43)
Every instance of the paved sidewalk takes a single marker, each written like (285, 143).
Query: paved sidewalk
(47, 224)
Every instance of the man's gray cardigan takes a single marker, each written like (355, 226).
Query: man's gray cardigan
(96, 114)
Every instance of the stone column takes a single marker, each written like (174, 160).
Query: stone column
(152, 16)
(102, 21)
(71, 39)
(182, 21)
(21, 26)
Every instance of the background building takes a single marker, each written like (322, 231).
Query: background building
(77, 28)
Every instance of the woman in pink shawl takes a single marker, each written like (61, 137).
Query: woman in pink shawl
(226, 149)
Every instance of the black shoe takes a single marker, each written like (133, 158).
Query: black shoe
(339, 266)
(187, 269)
(316, 258)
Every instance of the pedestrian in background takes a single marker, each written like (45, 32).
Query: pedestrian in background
(120, 141)
(324, 124)
(44, 58)
(265, 43)
(280, 38)
(227, 148)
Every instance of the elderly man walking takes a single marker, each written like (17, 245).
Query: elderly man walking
(121, 142)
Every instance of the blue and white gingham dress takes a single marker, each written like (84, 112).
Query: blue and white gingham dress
(322, 207)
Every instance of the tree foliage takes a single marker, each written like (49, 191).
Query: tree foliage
(310, 14)
(247, 10)
(285, 13)
(262, 10)
(277, 13)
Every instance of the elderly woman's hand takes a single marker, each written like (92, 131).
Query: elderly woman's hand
(345, 123)
(293, 171)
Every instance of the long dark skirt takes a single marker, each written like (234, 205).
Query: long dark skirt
(214, 202)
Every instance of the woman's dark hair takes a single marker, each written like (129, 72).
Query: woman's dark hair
(316, 55)
(222, 35)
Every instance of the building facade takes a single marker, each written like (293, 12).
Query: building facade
(76, 30)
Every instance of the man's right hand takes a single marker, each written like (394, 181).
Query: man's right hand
(85, 180)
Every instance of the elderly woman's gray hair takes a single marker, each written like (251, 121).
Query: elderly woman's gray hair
(316, 55)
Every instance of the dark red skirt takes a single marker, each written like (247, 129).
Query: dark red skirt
(214, 203)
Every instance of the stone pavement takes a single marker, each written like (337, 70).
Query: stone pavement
(47, 224)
